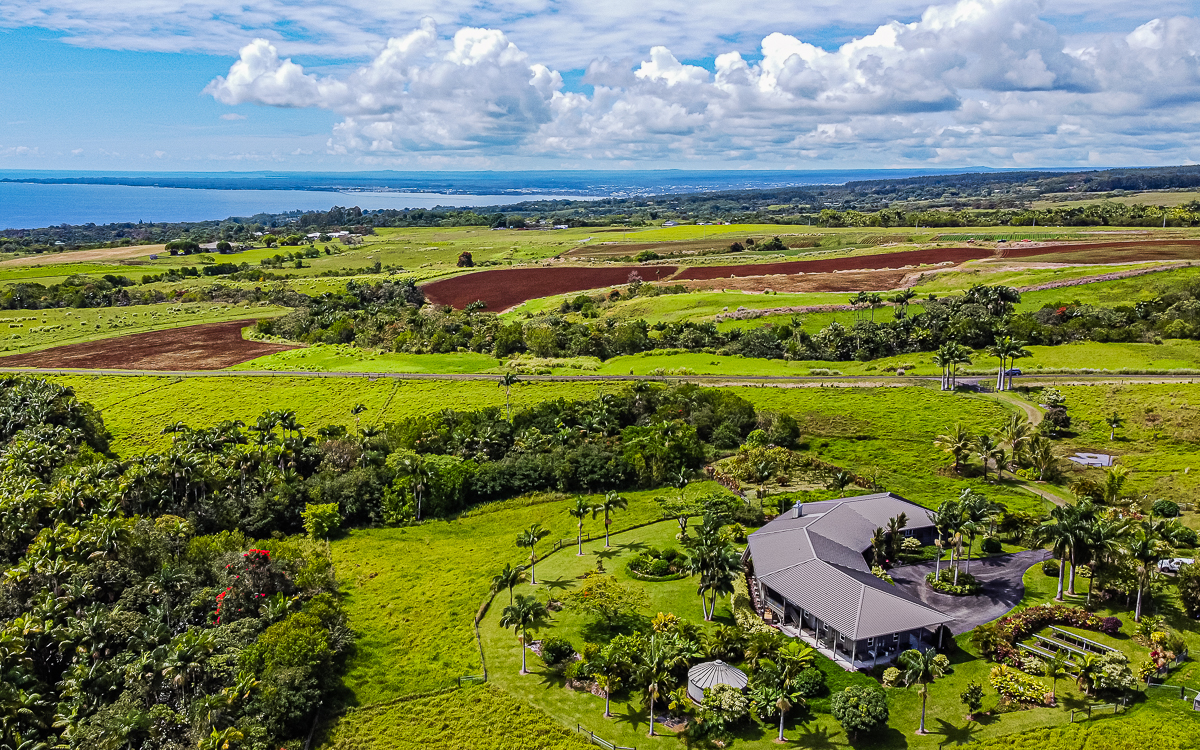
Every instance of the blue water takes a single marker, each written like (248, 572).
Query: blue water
(47, 198)
(28, 206)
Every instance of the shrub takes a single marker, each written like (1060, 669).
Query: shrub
(727, 702)
(944, 583)
(860, 709)
(943, 662)
(556, 650)
(1050, 568)
(991, 545)
(656, 564)
(321, 520)
(1113, 673)
(810, 682)
(1184, 537)
(743, 610)
(1015, 686)
(1109, 625)
(891, 677)
(1165, 508)
(1033, 665)
(911, 545)
(972, 697)
(1188, 583)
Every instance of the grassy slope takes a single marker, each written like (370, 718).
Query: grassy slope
(19, 334)
(1160, 439)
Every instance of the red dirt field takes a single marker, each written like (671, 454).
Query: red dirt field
(503, 288)
(211, 346)
(854, 263)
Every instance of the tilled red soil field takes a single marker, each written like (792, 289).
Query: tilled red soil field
(1106, 252)
(503, 288)
(211, 346)
(853, 263)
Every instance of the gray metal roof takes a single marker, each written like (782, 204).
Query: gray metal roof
(711, 673)
(816, 561)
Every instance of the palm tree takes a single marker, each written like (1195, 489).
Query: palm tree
(526, 612)
(1144, 549)
(1114, 483)
(1058, 532)
(957, 355)
(921, 668)
(901, 300)
(957, 443)
(947, 519)
(715, 561)
(840, 481)
(607, 665)
(1113, 423)
(977, 512)
(1088, 664)
(780, 672)
(879, 546)
(942, 360)
(1006, 349)
(659, 658)
(987, 449)
(1056, 667)
(1016, 435)
(508, 578)
(1041, 454)
(529, 538)
(507, 382)
(580, 509)
(1105, 545)
(895, 529)
(611, 502)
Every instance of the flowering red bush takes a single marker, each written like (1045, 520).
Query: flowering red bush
(252, 578)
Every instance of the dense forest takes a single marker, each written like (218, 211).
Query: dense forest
(977, 199)
(186, 598)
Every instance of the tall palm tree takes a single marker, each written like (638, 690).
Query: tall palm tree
(780, 672)
(958, 355)
(529, 538)
(1105, 545)
(524, 613)
(987, 449)
(977, 512)
(1006, 349)
(611, 502)
(607, 665)
(895, 530)
(1059, 532)
(714, 560)
(507, 381)
(942, 360)
(578, 511)
(508, 578)
(946, 520)
(1041, 455)
(957, 443)
(659, 657)
(920, 668)
(1144, 549)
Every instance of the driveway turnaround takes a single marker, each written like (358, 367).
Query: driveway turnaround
(1002, 588)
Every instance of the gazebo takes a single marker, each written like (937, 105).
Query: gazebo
(710, 674)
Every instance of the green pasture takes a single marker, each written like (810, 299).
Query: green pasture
(1127, 291)
(32, 330)
(1159, 439)
(54, 273)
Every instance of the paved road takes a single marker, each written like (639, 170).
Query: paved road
(1002, 588)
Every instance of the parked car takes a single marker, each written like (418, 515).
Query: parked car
(1012, 371)
(1172, 565)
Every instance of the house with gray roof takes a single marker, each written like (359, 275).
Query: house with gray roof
(811, 579)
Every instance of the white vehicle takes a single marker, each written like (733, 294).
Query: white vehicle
(1172, 565)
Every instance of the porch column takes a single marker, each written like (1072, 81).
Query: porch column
(853, 651)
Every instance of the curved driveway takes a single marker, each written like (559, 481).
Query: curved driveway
(1002, 588)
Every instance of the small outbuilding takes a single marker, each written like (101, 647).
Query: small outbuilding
(710, 674)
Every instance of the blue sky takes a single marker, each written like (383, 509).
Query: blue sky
(462, 84)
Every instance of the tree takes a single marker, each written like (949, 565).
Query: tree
(507, 381)
(1144, 550)
(987, 449)
(972, 698)
(1041, 455)
(609, 663)
(1059, 533)
(524, 613)
(1113, 423)
(895, 534)
(578, 511)
(1016, 435)
(1056, 668)
(780, 673)
(715, 561)
(1188, 583)
(920, 668)
(659, 658)
(1114, 484)
(611, 502)
(529, 539)
(839, 481)
(321, 520)
(977, 512)
(957, 443)
(604, 596)
(465, 260)
(1006, 349)
(860, 708)
(680, 508)
(508, 578)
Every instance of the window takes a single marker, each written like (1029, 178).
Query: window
(895, 637)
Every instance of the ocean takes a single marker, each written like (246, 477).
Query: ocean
(31, 199)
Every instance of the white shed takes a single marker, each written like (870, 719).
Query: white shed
(710, 674)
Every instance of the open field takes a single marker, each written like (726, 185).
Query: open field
(101, 254)
(210, 346)
(501, 289)
(33, 330)
(1148, 198)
